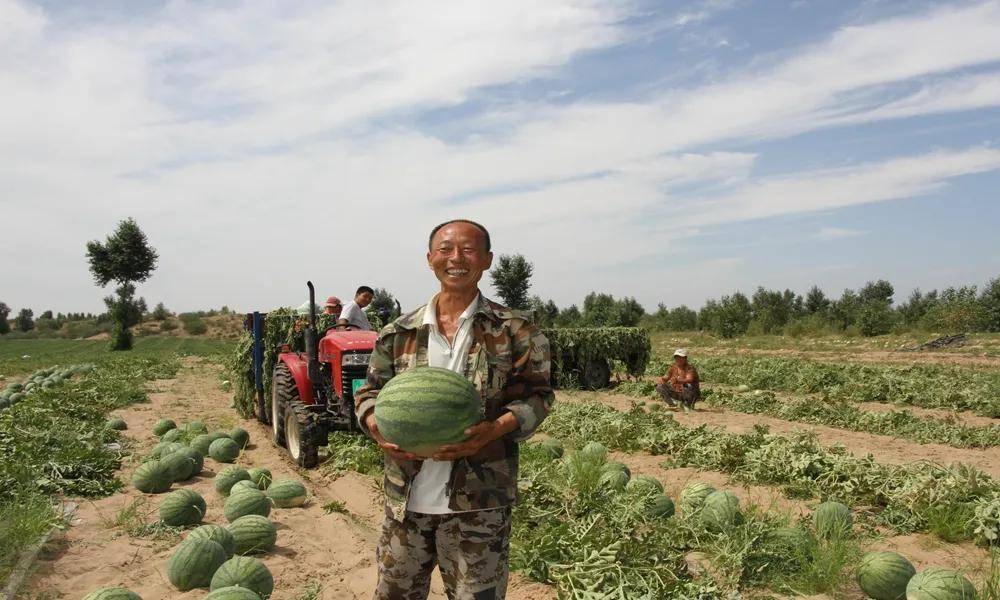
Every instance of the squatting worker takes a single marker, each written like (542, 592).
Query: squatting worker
(333, 306)
(353, 313)
(681, 382)
(453, 509)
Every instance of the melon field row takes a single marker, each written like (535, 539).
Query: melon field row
(923, 385)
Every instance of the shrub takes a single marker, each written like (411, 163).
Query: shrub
(193, 324)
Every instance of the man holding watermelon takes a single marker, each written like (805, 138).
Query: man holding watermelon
(450, 505)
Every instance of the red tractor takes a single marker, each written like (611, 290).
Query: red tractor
(312, 392)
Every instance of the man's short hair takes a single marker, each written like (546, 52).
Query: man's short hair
(486, 234)
(363, 289)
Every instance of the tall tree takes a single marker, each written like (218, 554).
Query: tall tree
(512, 278)
(25, 320)
(816, 301)
(4, 325)
(125, 258)
(990, 299)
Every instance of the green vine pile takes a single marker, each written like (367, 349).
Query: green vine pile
(573, 348)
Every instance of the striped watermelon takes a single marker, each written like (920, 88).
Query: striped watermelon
(240, 436)
(615, 476)
(424, 408)
(203, 442)
(261, 477)
(174, 435)
(884, 575)
(245, 572)
(151, 478)
(660, 506)
(247, 503)
(219, 535)
(182, 507)
(644, 484)
(935, 583)
(162, 426)
(244, 485)
(224, 450)
(233, 592)
(194, 563)
(832, 519)
(112, 593)
(594, 451)
(179, 465)
(118, 424)
(287, 493)
(693, 497)
(227, 478)
(721, 511)
(253, 533)
(196, 457)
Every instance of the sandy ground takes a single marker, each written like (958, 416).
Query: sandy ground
(334, 552)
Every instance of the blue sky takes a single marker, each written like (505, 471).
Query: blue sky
(667, 151)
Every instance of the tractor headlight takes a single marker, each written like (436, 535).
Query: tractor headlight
(355, 360)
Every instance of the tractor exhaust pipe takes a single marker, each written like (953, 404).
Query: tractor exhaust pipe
(312, 341)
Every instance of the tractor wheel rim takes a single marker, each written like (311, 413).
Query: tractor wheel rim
(292, 436)
(274, 414)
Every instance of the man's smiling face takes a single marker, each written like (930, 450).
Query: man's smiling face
(458, 256)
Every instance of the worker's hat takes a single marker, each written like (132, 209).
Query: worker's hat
(333, 301)
(681, 352)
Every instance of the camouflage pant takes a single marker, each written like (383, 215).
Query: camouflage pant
(687, 396)
(470, 548)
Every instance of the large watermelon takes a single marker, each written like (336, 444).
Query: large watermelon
(244, 485)
(832, 519)
(194, 563)
(644, 484)
(233, 592)
(196, 457)
(118, 424)
(245, 572)
(203, 442)
(240, 436)
(721, 511)
(884, 575)
(614, 476)
(693, 497)
(174, 435)
(594, 451)
(182, 507)
(660, 506)
(287, 493)
(224, 450)
(261, 477)
(179, 465)
(227, 478)
(151, 478)
(164, 425)
(935, 583)
(253, 533)
(112, 593)
(196, 427)
(425, 408)
(219, 535)
(246, 503)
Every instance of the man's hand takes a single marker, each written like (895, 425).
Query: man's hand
(391, 449)
(478, 436)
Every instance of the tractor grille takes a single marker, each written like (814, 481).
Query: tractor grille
(349, 374)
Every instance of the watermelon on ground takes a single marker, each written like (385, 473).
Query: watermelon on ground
(194, 563)
(721, 511)
(253, 533)
(174, 435)
(244, 485)
(936, 583)
(179, 465)
(614, 476)
(203, 442)
(196, 457)
(233, 592)
(884, 575)
(595, 451)
(240, 436)
(182, 507)
(118, 424)
(425, 408)
(227, 478)
(261, 477)
(196, 427)
(246, 572)
(693, 497)
(112, 593)
(151, 477)
(832, 519)
(224, 450)
(660, 506)
(241, 505)
(219, 535)
(287, 493)
(644, 484)
(163, 425)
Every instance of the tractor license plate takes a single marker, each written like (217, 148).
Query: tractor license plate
(355, 384)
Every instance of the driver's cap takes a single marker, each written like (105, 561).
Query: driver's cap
(333, 301)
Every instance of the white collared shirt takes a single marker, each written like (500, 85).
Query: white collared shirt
(428, 493)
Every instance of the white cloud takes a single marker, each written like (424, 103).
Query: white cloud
(836, 233)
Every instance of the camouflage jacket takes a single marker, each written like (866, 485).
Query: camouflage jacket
(508, 363)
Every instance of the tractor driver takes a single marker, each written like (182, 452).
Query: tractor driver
(681, 382)
(353, 314)
(333, 307)
(453, 509)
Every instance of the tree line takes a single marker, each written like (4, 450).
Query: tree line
(870, 310)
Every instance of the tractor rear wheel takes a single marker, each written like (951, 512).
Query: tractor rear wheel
(283, 391)
(302, 435)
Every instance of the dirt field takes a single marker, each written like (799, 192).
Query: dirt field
(318, 555)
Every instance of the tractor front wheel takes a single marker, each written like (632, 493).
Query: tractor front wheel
(302, 434)
(283, 392)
